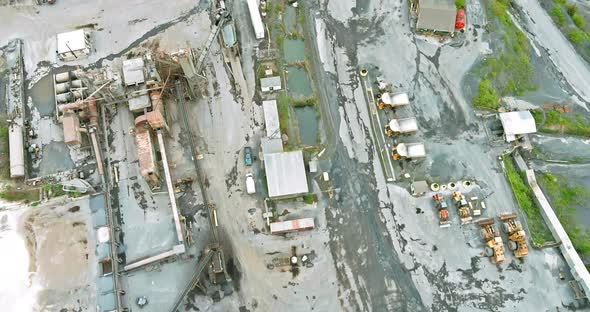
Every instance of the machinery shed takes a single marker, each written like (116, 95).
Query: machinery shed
(437, 15)
(517, 123)
(285, 174)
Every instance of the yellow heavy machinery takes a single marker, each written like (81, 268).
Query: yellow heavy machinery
(516, 235)
(493, 240)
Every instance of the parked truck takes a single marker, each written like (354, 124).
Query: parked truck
(250, 184)
(392, 100)
(408, 150)
(400, 126)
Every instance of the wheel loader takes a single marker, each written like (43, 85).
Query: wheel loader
(443, 210)
(463, 207)
(492, 239)
(516, 235)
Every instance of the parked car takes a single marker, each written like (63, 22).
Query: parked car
(248, 156)
(250, 184)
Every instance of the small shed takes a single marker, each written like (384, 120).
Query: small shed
(73, 45)
(517, 123)
(269, 84)
(133, 71)
(419, 188)
(437, 15)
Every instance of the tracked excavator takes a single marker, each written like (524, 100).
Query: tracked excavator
(492, 239)
(516, 235)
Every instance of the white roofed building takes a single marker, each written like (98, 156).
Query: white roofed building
(73, 45)
(517, 123)
(285, 174)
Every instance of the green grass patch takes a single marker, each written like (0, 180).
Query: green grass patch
(11, 194)
(556, 122)
(309, 101)
(309, 198)
(284, 112)
(510, 72)
(486, 98)
(564, 197)
(524, 197)
(460, 4)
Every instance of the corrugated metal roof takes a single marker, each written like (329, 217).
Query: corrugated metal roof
(271, 119)
(271, 145)
(269, 82)
(71, 41)
(292, 225)
(438, 15)
(285, 174)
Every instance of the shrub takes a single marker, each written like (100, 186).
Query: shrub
(571, 9)
(575, 36)
(460, 4)
(578, 20)
(557, 14)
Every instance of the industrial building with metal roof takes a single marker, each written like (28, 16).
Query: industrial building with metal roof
(285, 174)
(271, 119)
(517, 123)
(437, 15)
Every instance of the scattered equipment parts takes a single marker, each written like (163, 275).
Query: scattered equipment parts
(408, 150)
(443, 210)
(516, 235)
(392, 100)
(400, 126)
(476, 206)
(493, 240)
(463, 207)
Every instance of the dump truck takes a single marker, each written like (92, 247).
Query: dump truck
(408, 150)
(476, 206)
(443, 210)
(400, 126)
(492, 239)
(392, 100)
(463, 207)
(516, 235)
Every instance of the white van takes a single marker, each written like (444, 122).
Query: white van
(250, 184)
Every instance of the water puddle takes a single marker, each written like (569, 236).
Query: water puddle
(294, 50)
(308, 124)
(43, 97)
(298, 82)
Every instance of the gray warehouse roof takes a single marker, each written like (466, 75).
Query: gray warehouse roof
(438, 15)
(271, 119)
(285, 174)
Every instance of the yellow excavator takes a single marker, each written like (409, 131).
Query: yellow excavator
(516, 235)
(492, 239)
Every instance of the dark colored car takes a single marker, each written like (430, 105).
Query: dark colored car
(248, 156)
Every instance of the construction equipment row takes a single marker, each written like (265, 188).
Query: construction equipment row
(466, 209)
(493, 241)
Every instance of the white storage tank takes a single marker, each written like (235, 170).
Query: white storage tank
(17, 151)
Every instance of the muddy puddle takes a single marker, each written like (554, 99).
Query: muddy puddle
(42, 95)
(308, 124)
(297, 82)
